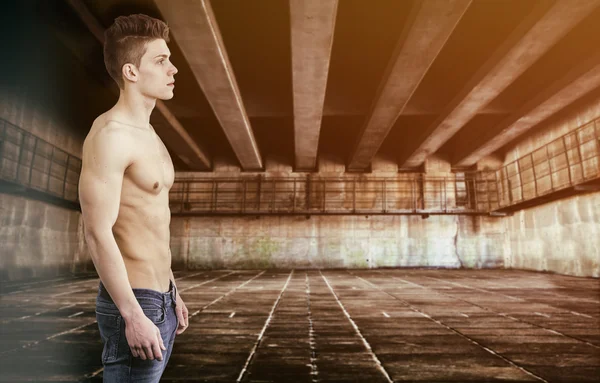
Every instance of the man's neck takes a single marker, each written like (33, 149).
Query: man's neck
(135, 108)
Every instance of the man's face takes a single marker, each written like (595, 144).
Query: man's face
(156, 71)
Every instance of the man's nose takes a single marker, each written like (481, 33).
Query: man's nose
(173, 69)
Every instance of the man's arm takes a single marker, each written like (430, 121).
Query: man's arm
(103, 167)
(106, 156)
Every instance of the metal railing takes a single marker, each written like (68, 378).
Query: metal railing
(464, 193)
(567, 161)
(31, 162)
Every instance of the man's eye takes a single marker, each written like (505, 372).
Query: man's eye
(161, 61)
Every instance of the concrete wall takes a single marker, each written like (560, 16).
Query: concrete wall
(39, 239)
(21, 106)
(337, 241)
(561, 236)
(42, 95)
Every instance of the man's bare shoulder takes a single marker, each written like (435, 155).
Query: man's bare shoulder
(108, 141)
(110, 130)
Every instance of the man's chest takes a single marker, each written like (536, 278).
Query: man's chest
(152, 168)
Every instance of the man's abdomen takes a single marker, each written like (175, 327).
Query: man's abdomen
(143, 238)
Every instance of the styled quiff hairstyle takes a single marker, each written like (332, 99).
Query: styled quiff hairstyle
(125, 42)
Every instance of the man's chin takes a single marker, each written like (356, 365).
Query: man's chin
(166, 96)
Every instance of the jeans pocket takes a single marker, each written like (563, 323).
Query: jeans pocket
(155, 314)
(109, 325)
(107, 308)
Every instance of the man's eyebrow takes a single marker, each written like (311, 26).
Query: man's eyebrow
(163, 55)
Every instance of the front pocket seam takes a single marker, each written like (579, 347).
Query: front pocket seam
(108, 314)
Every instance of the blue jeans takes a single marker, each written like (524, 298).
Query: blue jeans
(119, 364)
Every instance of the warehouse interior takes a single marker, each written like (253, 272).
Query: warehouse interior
(364, 191)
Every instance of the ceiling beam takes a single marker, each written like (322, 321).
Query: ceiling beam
(312, 23)
(166, 125)
(195, 28)
(429, 26)
(543, 27)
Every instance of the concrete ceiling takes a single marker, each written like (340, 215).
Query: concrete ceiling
(299, 79)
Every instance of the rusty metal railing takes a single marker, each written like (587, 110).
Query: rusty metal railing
(29, 161)
(567, 161)
(570, 160)
(464, 193)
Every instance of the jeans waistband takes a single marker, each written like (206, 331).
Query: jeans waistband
(167, 297)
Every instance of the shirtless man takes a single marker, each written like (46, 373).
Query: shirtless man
(124, 193)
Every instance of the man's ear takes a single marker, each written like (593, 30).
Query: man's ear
(130, 72)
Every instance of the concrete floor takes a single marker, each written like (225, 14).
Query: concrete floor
(324, 326)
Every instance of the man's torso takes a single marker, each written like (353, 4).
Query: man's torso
(142, 226)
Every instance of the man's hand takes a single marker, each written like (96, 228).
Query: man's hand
(182, 314)
(144, 338)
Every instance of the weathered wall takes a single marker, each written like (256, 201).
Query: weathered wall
(561, 236)
(21, 106)
(337, 241)
(42, 95)
(39, 239)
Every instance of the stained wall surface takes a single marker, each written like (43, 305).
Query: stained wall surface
(338, 242)
(351, 241)
(39, 238)
(561, 236)
(36, 237)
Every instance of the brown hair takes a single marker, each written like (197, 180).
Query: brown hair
(125, 42)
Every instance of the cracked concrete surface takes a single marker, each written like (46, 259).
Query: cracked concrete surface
(328, 326)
